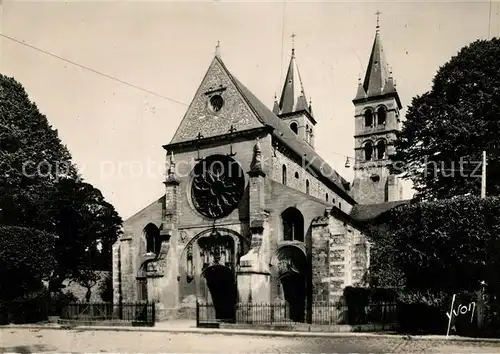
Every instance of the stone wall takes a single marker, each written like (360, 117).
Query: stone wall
(317, 188)
(130, 249)
(366, 189)
(346, 251)
(80, 291)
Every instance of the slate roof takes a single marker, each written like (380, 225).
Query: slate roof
(378, 77)
(283, 133)
(293, 96)
(368, 212)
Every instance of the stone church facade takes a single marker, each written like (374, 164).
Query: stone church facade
(251, 213)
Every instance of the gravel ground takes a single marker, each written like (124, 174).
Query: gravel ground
(78, 341)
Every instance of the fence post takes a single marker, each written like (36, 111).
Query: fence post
(153, 313)
(197, 313)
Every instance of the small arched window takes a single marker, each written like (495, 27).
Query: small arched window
(368, 118)
(153, 240)
(381, 115)
(294, 127)
(307, 186)
(368, 151)
(326, 196)
(283, 176)
(297, 175)
(381, 149)
(293, 225)
(307, 133)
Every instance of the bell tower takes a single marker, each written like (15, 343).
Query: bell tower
(293, 106)
(377, 120)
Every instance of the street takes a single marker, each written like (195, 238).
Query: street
(23, 340)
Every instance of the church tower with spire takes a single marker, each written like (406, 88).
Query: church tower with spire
(293, 106)
(377, 120)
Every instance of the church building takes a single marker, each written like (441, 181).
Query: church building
(251, 213)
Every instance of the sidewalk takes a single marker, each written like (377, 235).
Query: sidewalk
(189, 326)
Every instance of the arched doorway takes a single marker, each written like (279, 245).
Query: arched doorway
(290, 264)
(222, 286)
(211, 258)
(294, 290)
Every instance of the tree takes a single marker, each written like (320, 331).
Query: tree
(26, 260)
(41, 189)
(447, 128)
(88, 278)
(87, 226)
(384, 268)
(442, 246)
(32, 157)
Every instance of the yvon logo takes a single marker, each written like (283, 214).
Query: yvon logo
(461, 309)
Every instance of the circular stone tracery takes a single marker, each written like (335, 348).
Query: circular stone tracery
(217, 186)
(215, 103)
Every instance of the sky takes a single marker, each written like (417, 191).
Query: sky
(120, 74)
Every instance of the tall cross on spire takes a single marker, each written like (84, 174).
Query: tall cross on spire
(378, 13)
(293, 42)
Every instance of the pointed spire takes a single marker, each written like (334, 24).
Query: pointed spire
(293, 97)
(310, 106)
(276, 105)
(171, 167)
(361, 91)
(171, 177)
(256, 167)
(256, 147)
(378, 77)
(377, 72)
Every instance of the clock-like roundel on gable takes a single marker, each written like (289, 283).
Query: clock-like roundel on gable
(217, 186)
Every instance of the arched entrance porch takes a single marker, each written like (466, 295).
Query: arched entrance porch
(290, 264)
(210, 260)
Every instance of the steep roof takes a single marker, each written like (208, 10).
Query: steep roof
(377, 72)
(293, 96)
(283, 133)
(378, 77)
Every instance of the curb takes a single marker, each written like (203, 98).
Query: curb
(249, 332)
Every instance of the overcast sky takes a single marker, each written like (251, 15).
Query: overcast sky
(166, 48)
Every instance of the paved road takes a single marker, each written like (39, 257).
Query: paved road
(78, 341)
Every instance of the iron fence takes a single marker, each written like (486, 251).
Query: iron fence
(139, 313)
(284, 314)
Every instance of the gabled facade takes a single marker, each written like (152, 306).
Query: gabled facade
(250, 213)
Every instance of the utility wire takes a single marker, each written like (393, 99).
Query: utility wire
(489, 22)
(91, 70)
(282, 40)
(127, 83)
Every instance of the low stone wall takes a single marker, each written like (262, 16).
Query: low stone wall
(182, 313)
(302, 327)
(114, 323)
